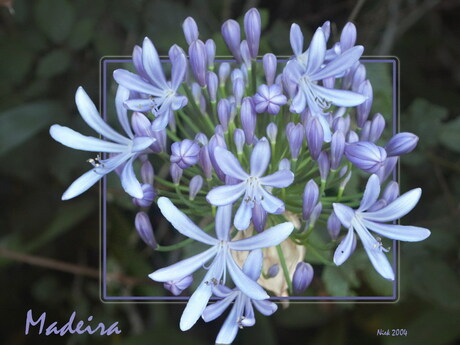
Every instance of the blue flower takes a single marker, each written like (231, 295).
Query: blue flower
(251, 185)
(157, 95)
(362, 220)
(308, 71)
(219, 252)
(127, 149)
(242, 313)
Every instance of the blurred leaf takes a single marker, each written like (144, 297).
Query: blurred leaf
(55, 18)
(55, 62)
(450, 135)
(339, 283)
(82, 33)
(19, 124)
(16, 60)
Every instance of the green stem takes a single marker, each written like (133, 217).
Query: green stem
(284, 267)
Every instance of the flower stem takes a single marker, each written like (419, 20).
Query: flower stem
(284, 267)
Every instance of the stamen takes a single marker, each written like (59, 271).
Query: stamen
(96, 162)
(239, 321)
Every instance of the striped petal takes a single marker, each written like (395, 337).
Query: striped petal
(268, 238)
(371, 193)
(129, 181)
(229, 164)
(398, 232)
(225, 195)
(122, 113)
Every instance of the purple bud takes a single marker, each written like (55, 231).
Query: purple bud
(137, 62)
(232, 37)
(391, 192)
(270, 64)
(284, 164)
(259, 217)
(348, 37)
(195, 186)
(352, 137)
(160, 144)
(212, 82)
(379, 204)
(401, 143)
(198, 61)
(185, 153)
(216, 140)
(147, 198)
(210, 52)
(329, 82)
(147, 172)
(315, 136)
(174, 51)
(388, 167)
(245, 54)
(219, 130)
(295, 134)
(273, 270)
(190, 30)
(377, 127)
(177, 286)
(347, 178)
(303, 275)
(202, 105)
(141, 124)
(238, 90)
(296, 39)
(239, 138)
(269, 99)
(289, 86)
(366, 156)
(363, 110)
(248, 119)
(314, 215)
(201, 138)
(333, 226)
(144, 229)
(252, 28)
(339, 125)
(272, 132)
(196, 92)
(176, 173)
(324, 165)
(358, 77)
(364, 134)
(337, 149)
(310, 198)
(223, 112)
(326, 27)
(224, 72)
(205, 162)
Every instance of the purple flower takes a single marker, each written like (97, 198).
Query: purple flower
(231, 34)
(176, 173)
(295, 135)
(337, 149)
(333, 226)
(362, 220)
(270, 64)
(159, 96)
(242, 313)
(251, 185)
(315, 136)
(248, 120)
(198, 61)
(364, 108)
(303, 275)
(252, 28)
(195, 186)
(269, 99)
(401, 143)
(185, 153)
(220, 252)
(272, 132)
(366, 156)
(144, 229)
(310, 198)
(177, 286)
(190, 30)
(126, 149)
(147, 198)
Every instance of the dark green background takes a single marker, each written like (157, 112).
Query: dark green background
(50, 47)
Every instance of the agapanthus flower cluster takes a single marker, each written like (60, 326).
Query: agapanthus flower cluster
(262, 149)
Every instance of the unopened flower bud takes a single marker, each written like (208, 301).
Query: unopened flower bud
(238, 90)
(252, 28)
(270, 64)
(387, 168)
(358, 77)
(366, 156)
(205, 162)
(223, 113)
(284, 164)
(239, 138)
(401, 143)
(269, 99)
(216, 140)
(210, 52)
(348, 36)
(352, 137)
(310, 198)
(185, 153)
(141, 124)
(362, 111)
(259, 217)
(195, 186)
(391, 192)
(177, 286)
(147, 173)
(295, 135)
(333, 226)
(176, 173)
(315, 137)
(232, 36)
(245, 54)
(147, 198)
(324, 166)
(201, 138)
(224, 72)
(337, 149)
(144, 229)
(303, 275)
(377, 127)
(190, 30)
(198, 61)
(273, 270)
(248, 119)
(272, 132)
(212, 83)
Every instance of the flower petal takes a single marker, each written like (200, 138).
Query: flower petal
(179, 67)
(129, 181)
(160, 122)
(279, 179)
(82, 184)
(196, 305)
(182, 223)
(342, 98)
(141, 143)
(398, 232)
(299, 102)
(213, 311)
(68, 137)
(92, 117)
(140, 104)
(223, 222)
(371, 193)
(243, 216)
(344, 213)
(345, 248)
(265, 307)
(121, 96)
(396, 209)
(229, 164)
(253, 264)
(268, 238)
(316, 51)
(374, 252)
(183, 268)
(133, 82)
(260, 157)
(339, 64)
(225, 195)
(296, 39)
(152, 64)
(270, 203)
(229, 329)
(247, 286)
